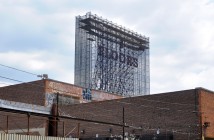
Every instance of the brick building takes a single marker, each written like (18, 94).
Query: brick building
(179, 115)
(40, 92)
(39, 96)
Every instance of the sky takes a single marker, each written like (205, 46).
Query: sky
(38, 36)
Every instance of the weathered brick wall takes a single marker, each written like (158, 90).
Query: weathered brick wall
(76, 92)
(207, 111)
(170, 112)
(31, 93)
(102, 96)
(90, 129)
(18, 123)
(53, 86)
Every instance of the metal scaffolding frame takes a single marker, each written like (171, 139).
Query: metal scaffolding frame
(110, 58)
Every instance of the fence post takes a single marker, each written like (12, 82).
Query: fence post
(63, 128)
(28, 123)
(7, 124)
(78, 130)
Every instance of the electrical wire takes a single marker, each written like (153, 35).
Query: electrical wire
(18, 69)
(11, 79)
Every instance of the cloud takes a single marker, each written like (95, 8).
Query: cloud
(182, 48)
(39, 36)
(37, 41)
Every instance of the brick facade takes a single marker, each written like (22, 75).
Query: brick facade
(31, 93)
(18, 123)
(182, 114)
(207, 112)
(37, 93)
(34, 92)
(173, 113)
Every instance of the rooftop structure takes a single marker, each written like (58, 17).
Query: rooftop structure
(110, 58)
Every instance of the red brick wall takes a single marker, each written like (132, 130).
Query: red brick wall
(207, 111)
(34, 92)
(169, 111)
(18, 123)
(102, 96)
(31, 93)
(63, 88)
(76, 91)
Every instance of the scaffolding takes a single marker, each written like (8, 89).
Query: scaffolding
(110, 58)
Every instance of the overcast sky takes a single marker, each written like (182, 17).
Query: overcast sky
(38, 36)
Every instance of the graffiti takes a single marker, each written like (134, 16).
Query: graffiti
(49, 99)
(86, 94)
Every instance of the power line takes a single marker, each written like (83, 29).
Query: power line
(11, 79)
(18, 70)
